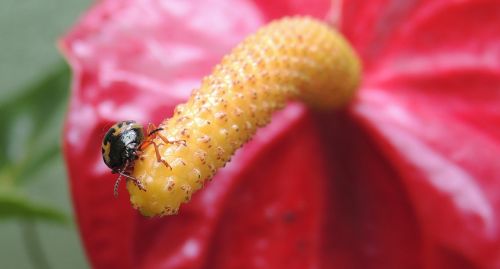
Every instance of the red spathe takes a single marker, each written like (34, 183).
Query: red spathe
(408, 176)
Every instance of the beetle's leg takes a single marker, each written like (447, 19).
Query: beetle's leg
(144, 145)
(122, 173)
(117, 183)
(135, 180)
(158, 156)
(150, 141)
(182, 142)
(152, 129)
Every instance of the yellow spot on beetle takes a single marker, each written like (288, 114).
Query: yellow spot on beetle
(106, 149)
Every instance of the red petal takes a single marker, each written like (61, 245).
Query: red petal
(370, 25)
(447, 164)
(432, 100)
(370, 222)
(411, 183)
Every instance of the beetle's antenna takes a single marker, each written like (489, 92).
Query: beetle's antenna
(122, 174)
(118, 180)
(117, 183)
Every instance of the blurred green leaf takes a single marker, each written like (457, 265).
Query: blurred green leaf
(30, 138)
(30, 135)
(15, 205)
(28, 57)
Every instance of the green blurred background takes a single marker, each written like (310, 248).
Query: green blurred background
(37, 229)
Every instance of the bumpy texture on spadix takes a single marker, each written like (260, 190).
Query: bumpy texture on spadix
(292, 58)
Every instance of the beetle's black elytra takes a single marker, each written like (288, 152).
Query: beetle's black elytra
(120, 144)
(119, 149)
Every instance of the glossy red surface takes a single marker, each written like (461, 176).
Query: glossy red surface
(407, 177)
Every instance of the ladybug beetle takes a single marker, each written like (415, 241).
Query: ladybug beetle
(122, 145)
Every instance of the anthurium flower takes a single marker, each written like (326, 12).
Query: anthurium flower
(407, 176)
